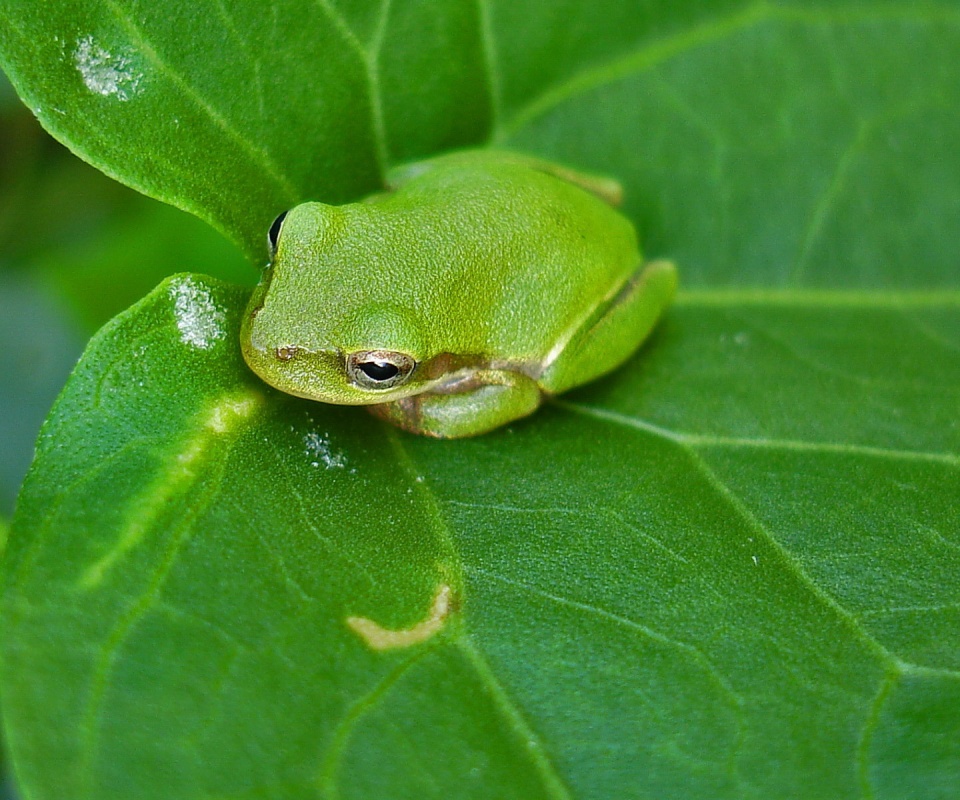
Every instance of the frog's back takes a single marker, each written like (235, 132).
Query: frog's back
(499, 257)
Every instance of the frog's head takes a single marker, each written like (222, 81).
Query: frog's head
(311, 331)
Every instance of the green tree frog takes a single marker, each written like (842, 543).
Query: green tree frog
(478, 284)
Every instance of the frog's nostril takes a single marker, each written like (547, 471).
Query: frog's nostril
(286, 353)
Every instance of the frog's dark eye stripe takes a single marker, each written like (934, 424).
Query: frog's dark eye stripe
(379, 369)
(274, 233)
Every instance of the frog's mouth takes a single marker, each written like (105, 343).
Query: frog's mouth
(333, 376)
(296, 371)
(317, 375)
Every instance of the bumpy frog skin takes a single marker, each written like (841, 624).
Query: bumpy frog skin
(480, 283)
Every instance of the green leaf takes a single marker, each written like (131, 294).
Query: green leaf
(775, 143)
(758, 142)
(730, 570)
(75, 247)
(235, 112)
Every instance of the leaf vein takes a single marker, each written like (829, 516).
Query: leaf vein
(343, 28)
(694, 440)
(548, 774)
(649, 55)
(933, 336)
(376, 91)
(792, 348)
(892, 610)
(370, 61)
(327, 540)
(690, 650)
(755, 525)
(919, 670)
(64, 493)
(870, 726)
(817, 298)
(491, 61)
(514, 509)
(258, 154)
(256, 62)
(106, 661)
(328, 770)
(552, 782)
(821, 208)
(646, 57)
(790, 562)
(200, 621)
(438, 522)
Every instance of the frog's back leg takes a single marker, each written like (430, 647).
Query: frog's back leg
(480, 402)
(615, 330)
(607, 189)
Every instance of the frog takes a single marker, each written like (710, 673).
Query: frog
(474, 287)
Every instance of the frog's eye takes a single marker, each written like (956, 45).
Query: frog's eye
(274, 233)
(379, 369)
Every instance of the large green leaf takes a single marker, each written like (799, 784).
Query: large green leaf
(730, 570)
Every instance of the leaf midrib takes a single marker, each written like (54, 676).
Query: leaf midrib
(542, 762)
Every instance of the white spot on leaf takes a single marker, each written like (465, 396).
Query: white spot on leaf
(105, 73)
(199, 320)
(318, 449)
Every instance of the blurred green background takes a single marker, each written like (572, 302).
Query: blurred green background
(76, 248)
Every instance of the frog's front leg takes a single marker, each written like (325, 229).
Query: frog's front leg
(615, 329)
(473, 404)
